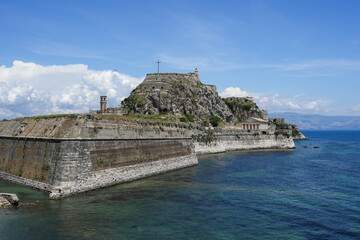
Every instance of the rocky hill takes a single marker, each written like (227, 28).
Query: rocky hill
(244, 108)
(184, 94)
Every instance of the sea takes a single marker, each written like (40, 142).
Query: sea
(311, 192)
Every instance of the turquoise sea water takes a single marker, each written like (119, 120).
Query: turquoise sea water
(307, 193)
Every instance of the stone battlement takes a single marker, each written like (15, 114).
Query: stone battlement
(170, 74)
(171, 78)
(239, 98)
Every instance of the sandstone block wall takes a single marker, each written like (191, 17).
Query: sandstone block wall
(225, 143)
(28, 158)
(68, 166)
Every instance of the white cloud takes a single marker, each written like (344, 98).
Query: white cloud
(293, 105)
(233, 92)
(27, 88)
(299, 103)
(276, 103)
(264, 99)
(356, 108)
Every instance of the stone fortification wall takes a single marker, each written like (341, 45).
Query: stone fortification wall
(25, 181)
(171, 77)
(89, 164)
(252, 140)
(69, 166)
(234, 138)
(99, 179)
(88, 126)
(110, 128)
(108, 111)
(28, 158)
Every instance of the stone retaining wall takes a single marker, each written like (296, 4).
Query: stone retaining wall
(76, 165)
(225, 143)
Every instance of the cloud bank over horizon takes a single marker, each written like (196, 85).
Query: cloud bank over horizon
(27, 88)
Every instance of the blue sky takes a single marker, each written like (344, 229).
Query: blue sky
(298, 56)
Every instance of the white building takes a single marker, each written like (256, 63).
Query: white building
(255, 123)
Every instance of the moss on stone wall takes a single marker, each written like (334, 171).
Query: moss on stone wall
(27, 169)
(27, 159)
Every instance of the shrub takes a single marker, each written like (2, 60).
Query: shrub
(205, 123)
(287, 135)
(295, 132)
(230, 104)
(134, 101)
(45, 167)
(163, 111)
(215, 121)
(183, 119)
(190, 117)
(246, 107)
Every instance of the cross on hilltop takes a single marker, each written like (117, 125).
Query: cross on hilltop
(158, 63)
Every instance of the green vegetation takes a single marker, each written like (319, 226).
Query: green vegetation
(52, 116)
(207, 137)
(96, 129)
(295, 132)
(215, 121)
(190, 117)
(45, 167)
(20, 172)
(286, 135)
(205, 123)
(246, 105)
(280, 125)
(134, 101)
(163, 111)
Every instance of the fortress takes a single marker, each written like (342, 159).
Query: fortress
(165, 122)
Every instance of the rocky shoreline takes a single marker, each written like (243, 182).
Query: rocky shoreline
(8, 199)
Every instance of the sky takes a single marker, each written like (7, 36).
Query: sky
(291, 56)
